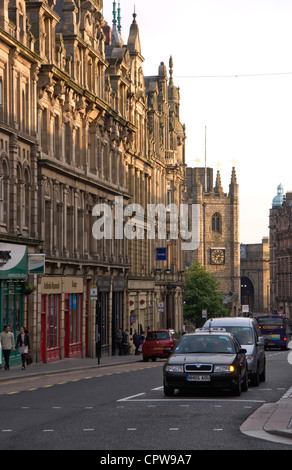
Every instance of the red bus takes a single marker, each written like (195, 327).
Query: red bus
(274, 328)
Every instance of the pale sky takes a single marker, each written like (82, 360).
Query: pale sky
(233, 64)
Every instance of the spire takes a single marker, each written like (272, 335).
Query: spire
(134, 45)
(117, 40)
(233, 176)
(119, 18)
(114, 13)
(170, 70)
(218, 185)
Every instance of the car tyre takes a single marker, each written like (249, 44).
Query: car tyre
(244, 386)
(263, 375)
(145, 359)
(255, 378)
(236, 389)
(168, 390)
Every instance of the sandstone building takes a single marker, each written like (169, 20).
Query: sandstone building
(82, 129)
(280, 253)
(255, 276)
(219, 248)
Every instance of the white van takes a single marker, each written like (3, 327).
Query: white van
(247, 332)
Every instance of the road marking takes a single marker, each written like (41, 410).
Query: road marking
(193, 400)
(131, 397)
(157, 388)
(218, 429)
(48, 430)
(131, 429)
(12, 393)
(6, 430)
(56, 407)
(87, 430)
(173, 429)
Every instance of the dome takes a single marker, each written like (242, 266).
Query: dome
(279, 199)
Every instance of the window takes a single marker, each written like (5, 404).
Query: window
(216, 222)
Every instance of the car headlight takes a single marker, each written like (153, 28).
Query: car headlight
(174, 368)
(224, 368)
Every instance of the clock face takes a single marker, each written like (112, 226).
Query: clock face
(217, 256)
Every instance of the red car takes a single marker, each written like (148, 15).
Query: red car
(158, 344)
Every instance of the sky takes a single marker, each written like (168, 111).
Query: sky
(233, 64)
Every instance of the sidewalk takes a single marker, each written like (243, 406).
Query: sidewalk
(272, 421)
(64, 365)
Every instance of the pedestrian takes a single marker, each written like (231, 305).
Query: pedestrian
(8, 344)
(23, 344)
(126, 342)
(0, 354)
(119, 341)
(137, 340)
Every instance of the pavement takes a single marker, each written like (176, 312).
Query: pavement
(272, 421)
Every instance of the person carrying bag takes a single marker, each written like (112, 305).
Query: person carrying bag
(23, 344)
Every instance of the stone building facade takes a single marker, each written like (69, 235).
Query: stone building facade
(219, 248)
(281, 253)
(83, 135)
(255, 276)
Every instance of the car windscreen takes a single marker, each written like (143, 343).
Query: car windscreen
(243, 334)
(157, 335)
(205, 344)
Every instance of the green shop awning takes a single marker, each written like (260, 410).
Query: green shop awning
(13, 261)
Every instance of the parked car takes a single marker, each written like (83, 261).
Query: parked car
(248, 333)
(212, 359)
(158, 344)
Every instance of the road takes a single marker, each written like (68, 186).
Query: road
(123, 408)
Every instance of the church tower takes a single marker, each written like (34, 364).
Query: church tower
(219, 249)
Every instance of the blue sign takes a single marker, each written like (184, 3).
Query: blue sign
(161, 254)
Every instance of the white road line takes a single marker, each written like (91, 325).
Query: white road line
(131, 429)
(193, 400)
(131, 397)
(6, 430)
(173, 429)
(88, 430)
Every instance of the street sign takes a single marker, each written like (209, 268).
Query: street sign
(204, 313)
(161, 254)
(93, 293)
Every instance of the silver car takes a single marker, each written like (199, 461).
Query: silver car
(248, 334)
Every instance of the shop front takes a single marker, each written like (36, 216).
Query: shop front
(61, 318)
(13, 276)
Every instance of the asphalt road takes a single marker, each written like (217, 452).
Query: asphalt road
(123, 408)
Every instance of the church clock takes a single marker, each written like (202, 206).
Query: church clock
(217, 256)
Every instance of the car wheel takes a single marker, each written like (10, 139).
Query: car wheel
(255, 379)
(244, 386)
(168, 390)
(263, 375)
(145, 359)
(153, 359)
(236, 389)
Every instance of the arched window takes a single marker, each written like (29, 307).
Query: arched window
(216, 222)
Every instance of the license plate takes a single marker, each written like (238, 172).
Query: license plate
(198, 378)
(157, 349)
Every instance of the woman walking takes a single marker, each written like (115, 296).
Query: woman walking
(23, 343)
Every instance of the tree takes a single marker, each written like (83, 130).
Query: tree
(202, 293)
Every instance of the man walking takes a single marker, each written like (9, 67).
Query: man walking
(8, 344)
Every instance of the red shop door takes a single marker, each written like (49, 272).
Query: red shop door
(43, 337)
(67, 334)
